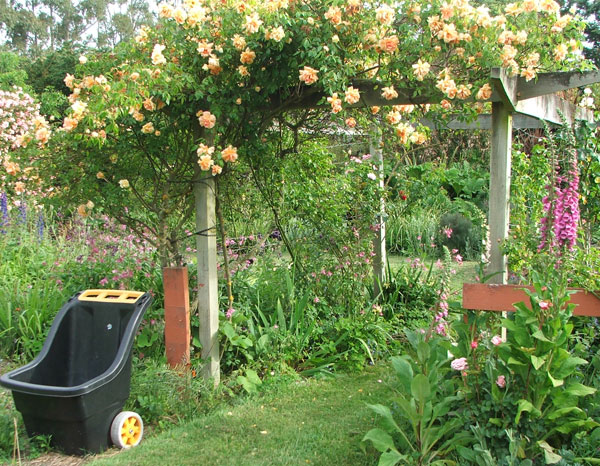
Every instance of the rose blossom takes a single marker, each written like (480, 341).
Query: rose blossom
(501, 381)
(459, 364)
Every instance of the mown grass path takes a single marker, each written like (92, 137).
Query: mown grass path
(319, 422)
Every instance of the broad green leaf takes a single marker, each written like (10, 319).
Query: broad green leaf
(404, 372)
(555, 382)
(525, 406)
(568, 366)
(522, 337)
(228, 330)
(537, 361)
(247, 384)
(409, 409)
(514, 362)
(538, 334)
(582, 424)
(558, 413)
(391, 458)
(423, 352)
(549, 455)
(420, 388)
(467, 453)
(509, 325)
(253, 377)
(382, 441)
(579, 389)
(388, 419)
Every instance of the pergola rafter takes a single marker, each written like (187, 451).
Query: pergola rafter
(516, 103)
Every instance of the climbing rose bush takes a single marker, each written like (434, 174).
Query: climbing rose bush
(21, 125)
(209, 85)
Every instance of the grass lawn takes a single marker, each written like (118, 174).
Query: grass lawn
(465, 272)
(310, 421)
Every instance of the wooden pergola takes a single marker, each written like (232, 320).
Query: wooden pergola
(516, 103)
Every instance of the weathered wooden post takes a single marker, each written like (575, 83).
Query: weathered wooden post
(380, 258)
(208, 302)
(500, 164)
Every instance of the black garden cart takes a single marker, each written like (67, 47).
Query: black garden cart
(75, 388)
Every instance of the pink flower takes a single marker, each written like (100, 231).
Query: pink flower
(459, 364)
(448, 232)
(496, 340)
(501, 381)
(544, 305)
(316, 299)
(474, 344)
(229, 312)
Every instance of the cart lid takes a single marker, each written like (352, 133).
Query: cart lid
(110, 296)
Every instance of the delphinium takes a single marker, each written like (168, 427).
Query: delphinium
(4, 220)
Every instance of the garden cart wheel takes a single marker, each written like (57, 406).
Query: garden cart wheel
(127, 429)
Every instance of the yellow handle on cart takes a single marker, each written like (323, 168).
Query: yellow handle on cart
(110, 296)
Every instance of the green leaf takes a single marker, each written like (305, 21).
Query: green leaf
(537, 361)
(388, 419)
(423, 352)
(404, 371)
(582, 424)
(555, 382)
(514, 362)
(568, 366)
(538, 334)
(466, 453)
(578, 389)
(382, 441)
(525, 406)
(253, 377)
(549, 455)
(280, 316)
(246, 384)
(227, 330)
(420, 388)
(391, 458)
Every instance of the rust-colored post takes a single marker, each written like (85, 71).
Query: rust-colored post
(177, 316)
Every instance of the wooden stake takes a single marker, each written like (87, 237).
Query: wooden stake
(177, 316)
(208, 302)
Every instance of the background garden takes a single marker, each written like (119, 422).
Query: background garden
(96, 189)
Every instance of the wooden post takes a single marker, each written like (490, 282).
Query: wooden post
(177, 316)
(380, 259)
(500, 162)
(208, 303)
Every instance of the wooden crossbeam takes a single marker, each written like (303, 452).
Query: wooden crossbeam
(484, 121)
(552, 109)
(479, 296)
(550, 83)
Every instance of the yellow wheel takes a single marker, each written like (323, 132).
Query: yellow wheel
(127, 429)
